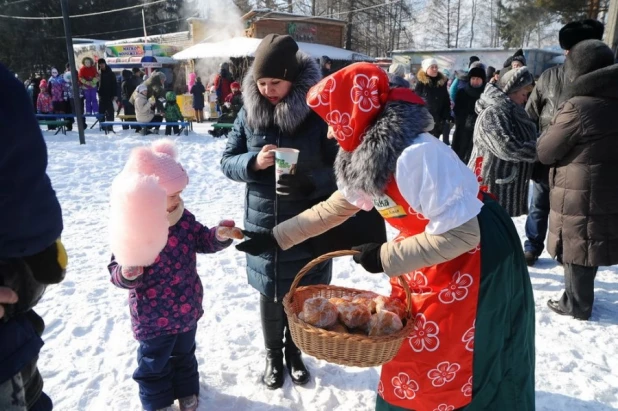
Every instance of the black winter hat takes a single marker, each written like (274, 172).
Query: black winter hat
(518, 56)
(275, 57)
(477, 72)
(587, 56)
(576, 31)
(489, 73)
(99, 61)
(472, 60)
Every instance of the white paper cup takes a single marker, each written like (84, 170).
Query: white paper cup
(285, 163)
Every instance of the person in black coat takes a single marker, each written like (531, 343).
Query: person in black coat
(274, 115)
(107, 91)
(542, 106)
(197, 91)
(431, 86)
(465, 114)
(31, 255)
(127, 87)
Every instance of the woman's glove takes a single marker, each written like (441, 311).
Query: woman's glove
(369, 257)
(49, 266)
(296, 184)
(257, 243)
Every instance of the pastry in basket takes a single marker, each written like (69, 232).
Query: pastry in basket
(366, 298)
(338, 328)
(393, 305)
(319, 312)
(353, 315)
(384, 323)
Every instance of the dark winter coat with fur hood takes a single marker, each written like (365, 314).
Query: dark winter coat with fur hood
(581, 145)
(505, 139)
(291, 123)
(435, 94)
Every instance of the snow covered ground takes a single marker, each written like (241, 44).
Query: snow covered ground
(90, 354)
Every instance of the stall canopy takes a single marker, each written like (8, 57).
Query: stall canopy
(245, 47)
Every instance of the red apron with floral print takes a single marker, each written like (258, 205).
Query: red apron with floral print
(433, 369)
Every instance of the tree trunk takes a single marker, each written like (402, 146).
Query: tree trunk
(458, 24)
(348, 36)
(472, 22)
(448, 24)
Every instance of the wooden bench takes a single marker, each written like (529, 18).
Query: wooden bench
(220, 129)
(126, 116)
(61, 124)
(184, 125)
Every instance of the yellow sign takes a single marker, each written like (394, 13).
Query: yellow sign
(388, 208)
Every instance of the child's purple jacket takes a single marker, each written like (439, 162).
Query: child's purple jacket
(167, 298)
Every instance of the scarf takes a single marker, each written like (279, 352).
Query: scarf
(350, 100)
(174, 216)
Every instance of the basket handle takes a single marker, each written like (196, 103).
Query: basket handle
(343, 253)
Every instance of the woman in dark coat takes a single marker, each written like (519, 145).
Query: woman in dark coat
(198, 91)
(465, 114)
(581, 145)
(275, 115)
(431, 86)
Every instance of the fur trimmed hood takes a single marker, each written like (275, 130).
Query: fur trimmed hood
(599, 83)
(292, 111)
(422, 77)
(370, 166)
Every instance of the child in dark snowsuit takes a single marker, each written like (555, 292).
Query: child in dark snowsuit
(154, 241)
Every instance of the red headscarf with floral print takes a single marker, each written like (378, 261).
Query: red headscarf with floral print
(351, 99)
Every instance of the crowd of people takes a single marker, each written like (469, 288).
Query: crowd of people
(458, 248)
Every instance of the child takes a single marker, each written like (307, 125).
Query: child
(88, 79)
(44, 101)
(233, 102)
(154, 241)
(172, 113)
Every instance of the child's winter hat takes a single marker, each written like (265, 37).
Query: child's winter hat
(428, 63)
(159, 160)
(43, 84)
(170, 96)
(235, 85)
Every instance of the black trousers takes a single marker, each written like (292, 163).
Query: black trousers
(578, 295)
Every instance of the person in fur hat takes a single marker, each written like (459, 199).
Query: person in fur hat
(431, 86)
(274, 115)
(89, 79)
(465, 113)
(542, 107)
(457, 249)
(154, 242)
(505, 140)
(580, 146)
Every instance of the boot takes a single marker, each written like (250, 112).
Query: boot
(273, 325)
(294, 362)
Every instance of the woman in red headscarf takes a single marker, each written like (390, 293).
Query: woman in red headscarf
(472, 347)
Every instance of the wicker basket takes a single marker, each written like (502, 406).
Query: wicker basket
(339, 348)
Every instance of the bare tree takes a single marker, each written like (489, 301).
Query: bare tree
(472, 20)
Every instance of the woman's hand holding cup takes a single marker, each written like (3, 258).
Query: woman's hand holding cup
(265, 158)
